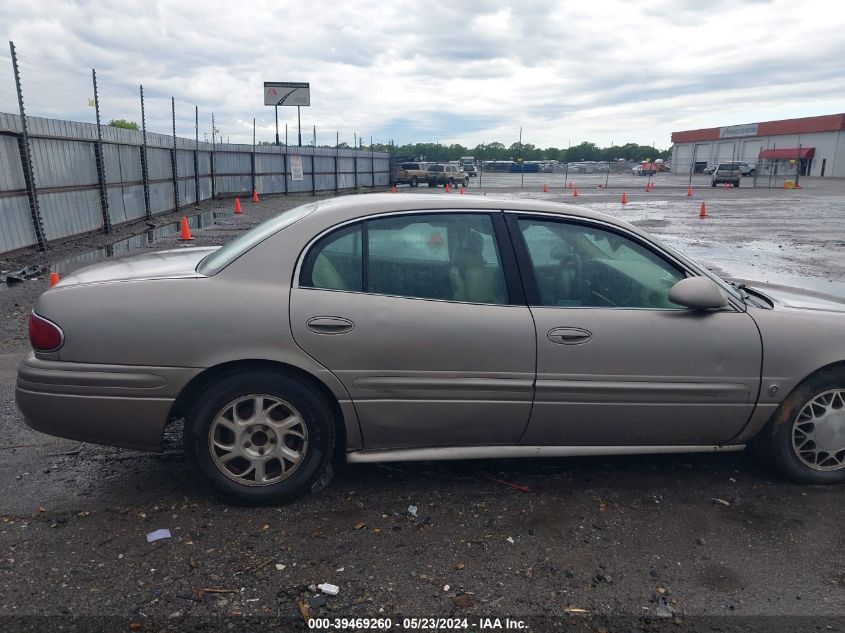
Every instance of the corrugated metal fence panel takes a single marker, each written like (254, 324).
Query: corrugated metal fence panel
(187, 192)
(10, 122)
(270, 183)
(15, 224)
(205, 188)
(269, 163)
(122, 162)
(364, 175)
(382, 167)
(185, 162)
(39, 126)
(205, 163)
(126, 203)
(70, 213)
(11, 174)
(233, 172)
(161, 197)
(346, 177)
(59, 163)
(122, 136)
(158, 163)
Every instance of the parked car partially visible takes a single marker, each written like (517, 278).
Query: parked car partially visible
(453, 175)
(409, 174)
(470, 170)
(747, 169)
(729, 173)
(709, 169)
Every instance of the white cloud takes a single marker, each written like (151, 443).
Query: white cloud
(451, 72)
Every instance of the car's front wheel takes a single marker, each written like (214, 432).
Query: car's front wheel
(260, 438)
(806, 437)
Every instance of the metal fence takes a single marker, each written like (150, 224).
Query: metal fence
(79, 183)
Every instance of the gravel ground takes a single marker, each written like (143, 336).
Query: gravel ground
(699, 542)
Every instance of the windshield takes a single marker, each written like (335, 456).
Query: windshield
(214, 262)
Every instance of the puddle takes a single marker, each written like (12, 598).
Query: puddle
(128, 246)
(131, 245)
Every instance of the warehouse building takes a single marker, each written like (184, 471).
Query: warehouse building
(812, 146)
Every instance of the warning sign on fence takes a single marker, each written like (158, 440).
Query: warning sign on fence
(296, 167)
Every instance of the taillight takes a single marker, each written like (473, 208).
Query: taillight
(44, 335)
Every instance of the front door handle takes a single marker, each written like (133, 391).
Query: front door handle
(569, 335)
(330, 325)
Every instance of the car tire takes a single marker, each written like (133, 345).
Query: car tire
(794, 426)
(218, 426)
(752, 173)
(413, 181)
(432, 183)
(735, 183)
(466, 182)
(451, 183)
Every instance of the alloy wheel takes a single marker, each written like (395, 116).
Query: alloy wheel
(818, 432)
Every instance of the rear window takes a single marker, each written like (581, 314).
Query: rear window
(436, 168)
(214, 262)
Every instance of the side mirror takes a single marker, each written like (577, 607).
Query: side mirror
(698, 293)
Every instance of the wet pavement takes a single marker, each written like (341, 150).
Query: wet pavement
(672, 537)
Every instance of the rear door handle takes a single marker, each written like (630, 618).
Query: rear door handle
(569, 335)
(330, 325)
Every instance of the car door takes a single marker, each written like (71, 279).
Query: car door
(417, 316)
(617, 363)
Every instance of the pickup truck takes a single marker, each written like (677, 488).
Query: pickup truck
(409, 174)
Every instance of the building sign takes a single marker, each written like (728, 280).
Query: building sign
(296, 167)
(738, 130)
(287, 93)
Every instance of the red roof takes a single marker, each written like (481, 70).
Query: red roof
(788, 153)
(826, 123)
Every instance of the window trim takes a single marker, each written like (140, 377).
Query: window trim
(504, 245)
(526, 266)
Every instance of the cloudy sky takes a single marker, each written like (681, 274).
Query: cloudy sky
(457, 71)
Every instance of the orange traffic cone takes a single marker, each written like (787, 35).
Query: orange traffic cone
(185, 234)
(703, 212)
(462, 190)
(446, 187)
(569, 185)
(392, 188)
(689, 192)
(575, 192)
(545, 187)
(254, 195)
(54, 279)
(238, 206)
(624, 198)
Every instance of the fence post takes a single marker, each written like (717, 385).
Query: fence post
(26, 160)
(336, 162)
(313, 173)
(252, 166)
(197, 154)
(173, 161)
(98, 158)
(213, 156)
(285, 167)
(355, 170)
(372, 165)
(145, 174)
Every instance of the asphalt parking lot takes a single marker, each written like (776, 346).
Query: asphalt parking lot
(694, 541)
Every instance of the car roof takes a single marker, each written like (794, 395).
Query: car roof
(344, 208)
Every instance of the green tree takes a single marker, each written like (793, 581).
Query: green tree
(123, 123)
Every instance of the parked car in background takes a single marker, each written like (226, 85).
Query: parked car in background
(747, 169)
(439, 174)
(409, 174)
(726, 173)
(709, 169)
(470, 170)
(379, 328)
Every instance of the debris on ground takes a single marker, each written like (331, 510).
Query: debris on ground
(315, 602)
(360, 525)
(510, 540)
(157, 535)
(329, 588)
(458, 566)
(464, 601)
(304, 611)
(721, 501)
(412, 510)
(510, 484)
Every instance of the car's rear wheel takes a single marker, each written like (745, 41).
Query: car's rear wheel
(260, 438)
(806, 437)
(413, 181)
